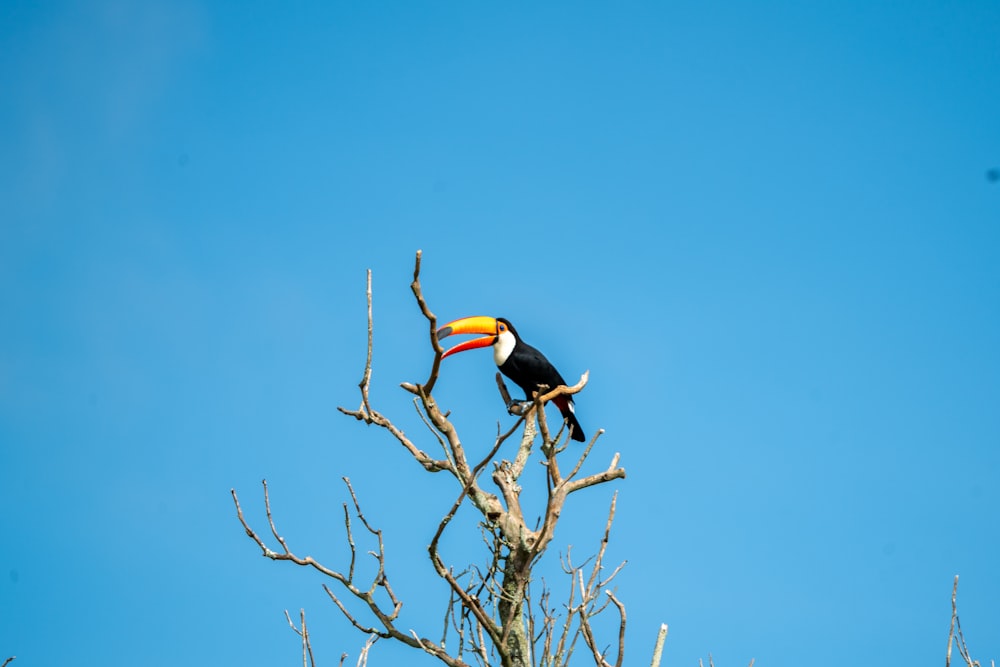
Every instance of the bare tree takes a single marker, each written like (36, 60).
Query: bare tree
(493, 614)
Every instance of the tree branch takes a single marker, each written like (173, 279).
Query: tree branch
(661, 637)
(368, 415)
(431, 321)
(955, 634)
(307, 652)
(468, 602)
(385, 618)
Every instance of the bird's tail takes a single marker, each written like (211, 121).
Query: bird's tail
(565, 405)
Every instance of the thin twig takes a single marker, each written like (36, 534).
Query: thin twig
(621, 628)
(363, 656)
(585, 454)
(435, 433)
(350, 543)
(954, 619)
(307, 652)
(270, 519)
(366, 378)
(504, 394)
(432, 322)
(613, 472)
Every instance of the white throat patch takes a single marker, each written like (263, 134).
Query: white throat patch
(503, 346)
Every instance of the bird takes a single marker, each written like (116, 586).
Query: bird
(523, 364)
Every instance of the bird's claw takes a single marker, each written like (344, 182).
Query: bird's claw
(518, 408)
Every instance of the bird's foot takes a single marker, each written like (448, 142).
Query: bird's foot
(518, 408)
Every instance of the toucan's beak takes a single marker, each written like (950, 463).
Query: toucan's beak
(479, 324)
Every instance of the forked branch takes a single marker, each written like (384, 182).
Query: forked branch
(386, 615)
(307, 652)
(955, 635)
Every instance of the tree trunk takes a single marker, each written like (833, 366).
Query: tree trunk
(516, 573)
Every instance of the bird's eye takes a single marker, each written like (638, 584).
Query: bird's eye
(501, 327)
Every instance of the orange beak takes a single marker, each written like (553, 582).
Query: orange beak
(479, 324)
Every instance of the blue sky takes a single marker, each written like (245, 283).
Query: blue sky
(764, 228)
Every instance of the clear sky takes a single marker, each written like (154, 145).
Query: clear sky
(766, 228)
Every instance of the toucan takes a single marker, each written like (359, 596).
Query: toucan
(522, 363)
